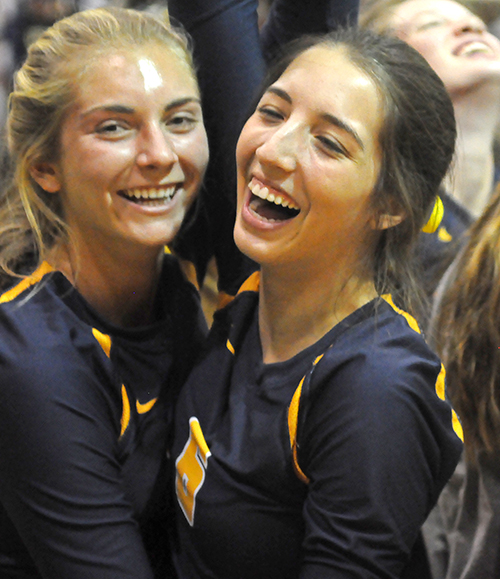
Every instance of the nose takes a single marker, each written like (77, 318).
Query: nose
(156, 150)
(282, 147)
(469, 23)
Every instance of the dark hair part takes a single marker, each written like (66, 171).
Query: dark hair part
(417, 142)
(466, 330)
(31, 222)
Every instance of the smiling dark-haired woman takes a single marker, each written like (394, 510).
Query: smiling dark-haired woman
(97, 325)
(312, 439)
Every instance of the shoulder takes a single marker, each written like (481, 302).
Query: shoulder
(380, 352)
(45, 347)
(383, 375)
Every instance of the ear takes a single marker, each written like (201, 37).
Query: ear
(46, 175)
(385, 221)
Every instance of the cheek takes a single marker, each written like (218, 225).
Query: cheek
(194, 154)
(430, 47)
(99, 160)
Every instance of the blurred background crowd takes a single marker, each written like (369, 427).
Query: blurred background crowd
(22, 20)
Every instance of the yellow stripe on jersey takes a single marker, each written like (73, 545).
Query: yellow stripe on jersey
(230, 347)
(293, 415)
(251, 284)
(27, 282)
(440, 381)
(104, 341)
(412, 322)
(443, 235)
(146, 407)
(125, 419)
(440, 390)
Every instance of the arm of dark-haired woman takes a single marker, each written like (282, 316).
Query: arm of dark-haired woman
(378, 447)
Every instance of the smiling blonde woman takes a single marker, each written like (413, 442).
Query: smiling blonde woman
(97, 325)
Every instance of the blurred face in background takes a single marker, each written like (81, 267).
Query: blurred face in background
(453, 40)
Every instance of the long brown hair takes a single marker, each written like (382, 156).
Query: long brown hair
(466, 330)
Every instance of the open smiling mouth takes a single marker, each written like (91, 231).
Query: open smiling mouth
(474, 48)
(151, 196)
(269, 206)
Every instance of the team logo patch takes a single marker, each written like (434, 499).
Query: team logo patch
(191, 466)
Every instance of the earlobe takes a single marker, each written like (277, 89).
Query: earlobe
(46, 176)
(386, 221)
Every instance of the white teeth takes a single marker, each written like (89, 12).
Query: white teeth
(474, 48)
(164, 194)
(263, 193)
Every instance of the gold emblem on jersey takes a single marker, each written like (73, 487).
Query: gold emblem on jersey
(191, 466)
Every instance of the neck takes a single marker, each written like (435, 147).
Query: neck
(478, 114)
(298, 309)
(121, 290)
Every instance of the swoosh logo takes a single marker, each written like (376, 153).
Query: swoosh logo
(146, 407)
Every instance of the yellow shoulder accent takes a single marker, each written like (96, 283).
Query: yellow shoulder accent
(440, 391)
(293, 413)
(443, 235)
(104, 341)
(27, 282)
(146, 407)
(230, 347)
(457, 427)
(251, 284)
(125, 411)
(440, 381)
(412, 322)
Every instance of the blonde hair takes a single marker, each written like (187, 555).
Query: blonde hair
(31, 221)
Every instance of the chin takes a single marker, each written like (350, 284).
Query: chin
(252, 247)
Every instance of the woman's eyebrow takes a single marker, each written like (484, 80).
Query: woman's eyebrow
(181, 102)
(328, 117)
(334, 120)
(126, 110)
(280, 93)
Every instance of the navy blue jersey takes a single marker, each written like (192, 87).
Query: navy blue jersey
(324, 465)
(85, 409)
